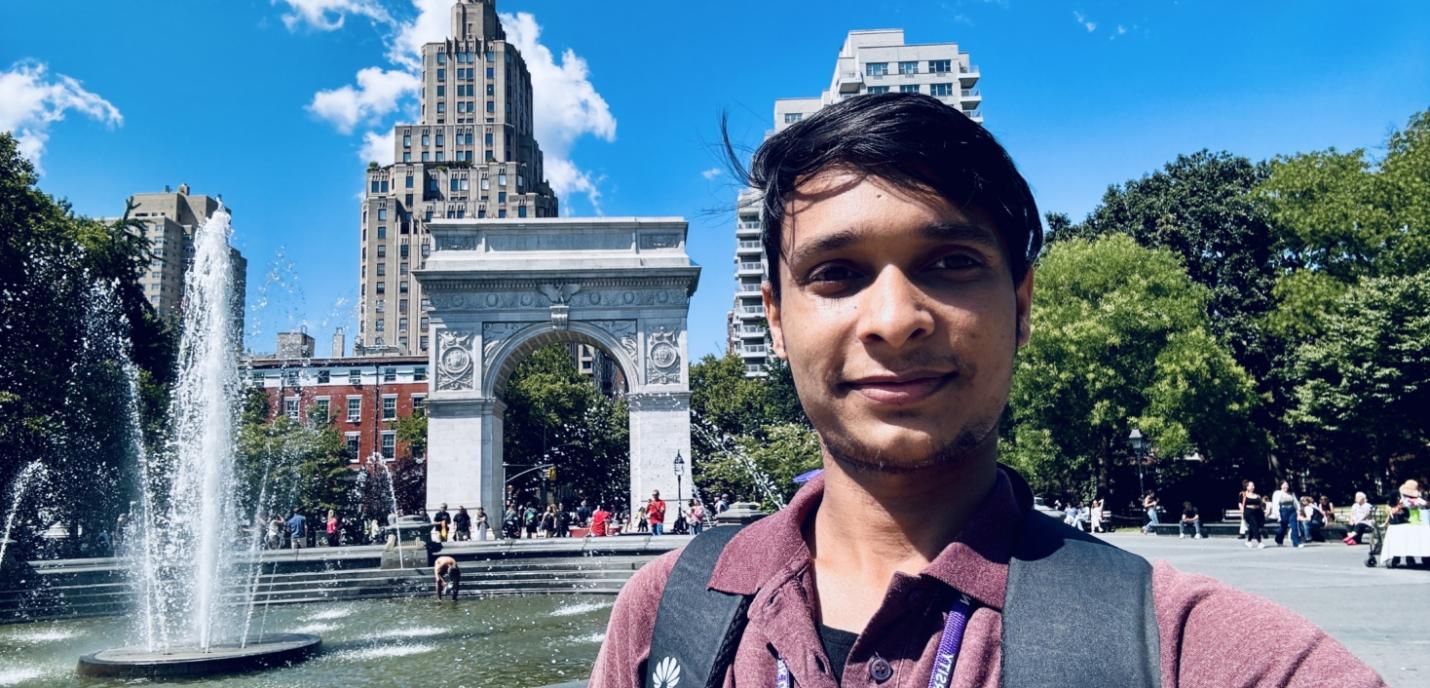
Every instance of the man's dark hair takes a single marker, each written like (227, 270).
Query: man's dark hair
(905, 138)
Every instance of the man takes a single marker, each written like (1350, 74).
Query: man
(655, 513)
(448, 575)
(1191, 518)
(722, 504)
(563, 521)
(899, 239)
(443, 522)
(583, 514)
(297, 529)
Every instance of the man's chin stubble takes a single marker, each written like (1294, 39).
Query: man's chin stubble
(970, 444)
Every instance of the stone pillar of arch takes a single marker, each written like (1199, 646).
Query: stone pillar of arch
(500, 289)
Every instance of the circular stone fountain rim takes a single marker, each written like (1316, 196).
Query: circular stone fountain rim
(274, 649)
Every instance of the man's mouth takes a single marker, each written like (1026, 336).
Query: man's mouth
(897, 389)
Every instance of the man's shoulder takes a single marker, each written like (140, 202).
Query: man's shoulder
(1206, 626)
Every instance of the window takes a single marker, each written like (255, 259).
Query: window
(381, 232)
(441, 106)
(441, 90)
(290, 407)
(381, 289)
(380, 325)
(419, 405)
(441, 139)
(406, 156)
(354, 377)
(419, 374)
(489, 138)
(322, 406)
(389, 375)
(486, 183)
(381, 252)
(501, 197)
(878, 89)
(382, 213)
(381, 269)
(792, 117)
(324, 376)
(876, 69)
(290, 378)
(354, 409)
(441, 74)
(441, 58)
(501, 179)
(940, 66)
(424, 342)
(453, 184)
(354, 445)
(402, 250)
(373, 187)
(521, 211)
(389, 445)
(491, 106)
(409, 185)
(910, 67)
(940, 89)
(389, 407)
(909, 88)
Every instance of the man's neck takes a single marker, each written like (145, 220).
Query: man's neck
(870, 525)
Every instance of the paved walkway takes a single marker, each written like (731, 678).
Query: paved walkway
(1374, 612)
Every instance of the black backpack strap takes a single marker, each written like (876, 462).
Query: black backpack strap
(692, 617)
(1078, 612)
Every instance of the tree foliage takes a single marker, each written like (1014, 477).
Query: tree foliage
(554, 414)
(290, 463)
(71, 313)
(1121, 339)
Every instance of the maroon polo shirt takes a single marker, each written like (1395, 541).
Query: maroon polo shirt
(1211, 635)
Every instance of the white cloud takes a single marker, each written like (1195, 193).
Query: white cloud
(431, 25)
(710, 173)
(377, 94)
(31, 101)
(567, 106)
(1084, 21)
(329, 15)
(379, 148)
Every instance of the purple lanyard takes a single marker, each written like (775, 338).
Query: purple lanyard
(948, 646)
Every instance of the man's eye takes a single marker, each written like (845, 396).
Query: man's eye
(830, 273)
(956, 261)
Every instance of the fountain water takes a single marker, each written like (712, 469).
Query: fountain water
(22, 483)
(726, 445)
(392, 492)
(190, 515)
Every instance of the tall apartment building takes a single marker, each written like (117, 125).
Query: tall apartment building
(473, 154)
(169, 221)
(876, 61)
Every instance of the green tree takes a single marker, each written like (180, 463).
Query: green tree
(554, 414)
(1121, 339)
(762, 469)
(1364, 385)
(412, 433)
(290, 463)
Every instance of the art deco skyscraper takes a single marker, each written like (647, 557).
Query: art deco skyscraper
(473, 154)
(876, 61)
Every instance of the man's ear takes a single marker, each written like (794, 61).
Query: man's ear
(1023, 294)
(772, 318)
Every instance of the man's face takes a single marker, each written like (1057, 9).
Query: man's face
(899, 319)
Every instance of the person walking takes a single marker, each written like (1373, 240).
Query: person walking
(332, 527)
(1360, 522)
(530, 520)
(583, 514)
(656, 513)
(642, 523)
(1149, 503)
(563, 521)
(1095, 515)
(1253, 514)
(462, 524)
(484, 526)
(1285, 503)
(548, 521)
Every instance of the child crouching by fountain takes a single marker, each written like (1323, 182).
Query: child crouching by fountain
(448, 575)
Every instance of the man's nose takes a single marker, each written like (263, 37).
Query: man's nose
(893, 310)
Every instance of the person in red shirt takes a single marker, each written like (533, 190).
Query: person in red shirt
(599, 518)
(655, 513)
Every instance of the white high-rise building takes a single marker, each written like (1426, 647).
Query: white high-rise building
(872, 61)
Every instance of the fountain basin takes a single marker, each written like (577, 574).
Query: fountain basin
(271, 650)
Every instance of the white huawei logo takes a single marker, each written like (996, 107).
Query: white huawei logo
(667, 673)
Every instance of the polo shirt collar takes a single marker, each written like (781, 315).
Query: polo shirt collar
(975, 563)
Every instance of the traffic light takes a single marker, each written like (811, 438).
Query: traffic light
(551, 474)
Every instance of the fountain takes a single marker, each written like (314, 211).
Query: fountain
(22, 484)
(188, 518)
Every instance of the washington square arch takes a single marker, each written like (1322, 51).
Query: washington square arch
(500, 289)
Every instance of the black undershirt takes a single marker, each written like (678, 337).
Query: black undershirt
(837, 644)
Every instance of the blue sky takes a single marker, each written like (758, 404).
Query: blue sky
(118, 98)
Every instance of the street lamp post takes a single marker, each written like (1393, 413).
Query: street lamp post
(679, 470)
(1139, 445)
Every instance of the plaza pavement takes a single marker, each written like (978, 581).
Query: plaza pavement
(1377, 613)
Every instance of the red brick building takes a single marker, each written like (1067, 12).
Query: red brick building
(364, 395)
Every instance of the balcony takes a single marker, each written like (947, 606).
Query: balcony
(747, 268)
(971, 94)
(968, 75)
(851, 82)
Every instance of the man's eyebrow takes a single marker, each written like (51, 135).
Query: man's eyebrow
(941, 231)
